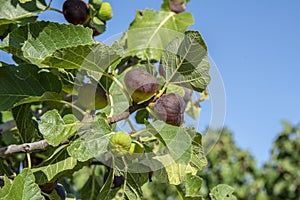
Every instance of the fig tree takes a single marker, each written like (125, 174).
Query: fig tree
(105, 13)
(120, 143)
(169, 108)
(76, 11)
(140, 84)
(92, 97)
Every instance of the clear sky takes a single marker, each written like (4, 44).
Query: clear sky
(255, 45)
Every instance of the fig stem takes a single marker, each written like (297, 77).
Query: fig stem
(125, 177)
(74, 106)
(148, 139)
(28, 160)
(130, 124)
(111, 100)
(138, 133)
(120, 85)
(55, 9)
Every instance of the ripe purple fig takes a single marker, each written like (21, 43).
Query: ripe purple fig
(140, 84)
(177, 6)
(169, 108)
(76, 11)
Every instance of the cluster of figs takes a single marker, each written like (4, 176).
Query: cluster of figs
(142, 86)
(93, 14)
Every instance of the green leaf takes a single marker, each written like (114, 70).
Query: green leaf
(16, 12)
(26, 125)
(47, 96)
(93, 142)
(173, 137)
(91, 188)
(55, 129)
(222, 192)
(193, 110)
(185, 62)
(173, 172)
(192, 185)
(106, 191)
(133, 188)
(23, 187)
(35, 41)
(198, 159)
(94, 57)
(17, 83)
(60, 164)
(5, 189)
(151, 31)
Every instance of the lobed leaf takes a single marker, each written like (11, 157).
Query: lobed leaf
(185, 62)
(19, 82)
(23, 187)
(56, 129)
(58, 165)
(34, 42)
(92, 143)
(16, 12)
(222, 192)
(93, 57)
(151, 31)
(25, 124)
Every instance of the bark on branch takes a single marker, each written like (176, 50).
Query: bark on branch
(43, 144)
(24, 148)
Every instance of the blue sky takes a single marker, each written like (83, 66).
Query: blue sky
(256, 47)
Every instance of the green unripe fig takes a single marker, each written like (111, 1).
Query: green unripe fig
(169, 108)
(136, 150)
(140, 84)
(92, 97)
(105, 13)
(96, 3)
(120, 143)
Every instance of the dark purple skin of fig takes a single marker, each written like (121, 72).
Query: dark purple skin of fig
(76, 11)
(170, 109)
(140, 84)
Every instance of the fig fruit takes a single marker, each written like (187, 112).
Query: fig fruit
(169, 108)
(120, 143)
(118, 181)
(105, 13)
(140, 84)
(61, 191)
(96, 3)
(177, 6)
(76, 11)
(136, 150)
(48, 187)
(92, 97)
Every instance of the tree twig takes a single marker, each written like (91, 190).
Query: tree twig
(24, 148)
(7, 126)
(43, 144)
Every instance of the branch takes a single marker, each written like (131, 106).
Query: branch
(24, 148)
(128, 112)
(7, 126)
(43, 144)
